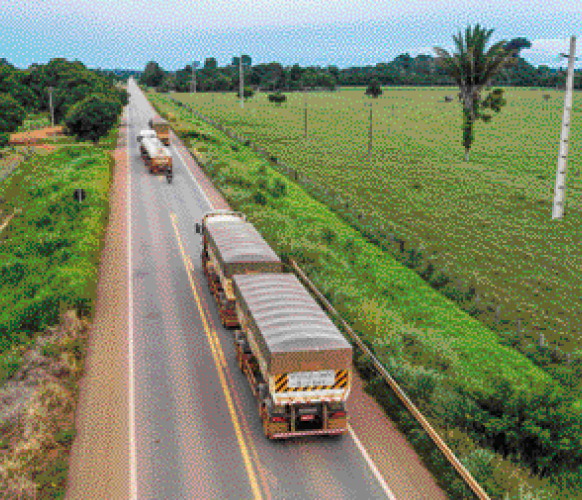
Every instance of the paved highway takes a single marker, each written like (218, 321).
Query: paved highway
(195, 432)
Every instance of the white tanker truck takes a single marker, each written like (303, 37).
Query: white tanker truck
(156, 156)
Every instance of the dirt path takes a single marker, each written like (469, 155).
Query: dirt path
(33, 136)
(99, 461)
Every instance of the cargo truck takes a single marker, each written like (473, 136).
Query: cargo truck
(155, 155)
(231, 245)
(297, 362)
(162, 128)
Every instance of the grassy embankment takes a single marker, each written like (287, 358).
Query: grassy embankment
(49, 264)
(454, 367)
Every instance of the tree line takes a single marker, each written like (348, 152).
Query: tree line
(88, 103)
(404, 70)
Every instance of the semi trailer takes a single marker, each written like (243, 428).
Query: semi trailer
(296, 360)
(231, 245)
(162, 128)
(155, 155)
(298, 363)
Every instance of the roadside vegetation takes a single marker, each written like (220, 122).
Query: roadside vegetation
(515, 425)
(50, 253)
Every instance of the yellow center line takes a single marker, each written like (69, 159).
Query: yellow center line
(246, 429)
(215, 350)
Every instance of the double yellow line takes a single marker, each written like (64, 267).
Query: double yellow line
(220, 363)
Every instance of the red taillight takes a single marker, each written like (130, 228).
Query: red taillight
(338, 414)
(307, 417)
(278, 419)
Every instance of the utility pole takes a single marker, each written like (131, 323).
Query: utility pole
(560, 188)
(305, 121)
(370, 134)
(50, 91)
(195, 64)
(242, 84)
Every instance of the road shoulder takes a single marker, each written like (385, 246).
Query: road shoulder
(99, 461)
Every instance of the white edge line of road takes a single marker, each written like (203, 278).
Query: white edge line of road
(132, 454)
(193, 178)
(376, 472)
(373, 467)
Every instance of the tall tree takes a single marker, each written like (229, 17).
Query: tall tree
(12, 114)
(152, 75)
(210, 63)
(374, 89)
(168, 83)
(93, 117)
(513, 48)
(473, 69)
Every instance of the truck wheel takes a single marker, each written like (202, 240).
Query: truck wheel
(268, 434)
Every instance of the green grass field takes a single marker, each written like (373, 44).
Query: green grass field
(489, 218)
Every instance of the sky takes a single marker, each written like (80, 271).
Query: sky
(126, 34)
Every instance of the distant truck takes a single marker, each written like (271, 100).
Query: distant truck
(162, 128)
(155, 155)
(298, 363)
(230, 245)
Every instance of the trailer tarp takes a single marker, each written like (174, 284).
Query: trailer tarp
(291, 329)
(240, 248)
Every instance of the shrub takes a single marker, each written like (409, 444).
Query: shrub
(259, 198)
(279, 189)
(10, 362)
(248, 92)
(439, 280)
(277, 98)
(328, 236)
(480, 464)
(374, 89)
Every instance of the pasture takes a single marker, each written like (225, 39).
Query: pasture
(488, 219)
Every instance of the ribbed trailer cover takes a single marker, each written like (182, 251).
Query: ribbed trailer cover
(292, 331)
(240, 248)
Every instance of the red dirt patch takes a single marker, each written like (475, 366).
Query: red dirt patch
(32, 136)
(47, 147)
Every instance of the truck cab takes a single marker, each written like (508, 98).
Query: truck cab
(148, 133)
(219, 216)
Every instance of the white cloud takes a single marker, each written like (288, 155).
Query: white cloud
(549, 47)
(220, 14)
(547, 50)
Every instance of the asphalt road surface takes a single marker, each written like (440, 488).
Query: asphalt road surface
(194, 429)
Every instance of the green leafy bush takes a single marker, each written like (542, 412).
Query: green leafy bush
(259, 198)
(279, 189)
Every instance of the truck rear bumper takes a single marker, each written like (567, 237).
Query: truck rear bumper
(310, 433)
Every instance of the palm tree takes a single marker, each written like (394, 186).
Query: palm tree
(473, 69)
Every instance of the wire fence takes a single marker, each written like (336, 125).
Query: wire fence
(411, 250)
